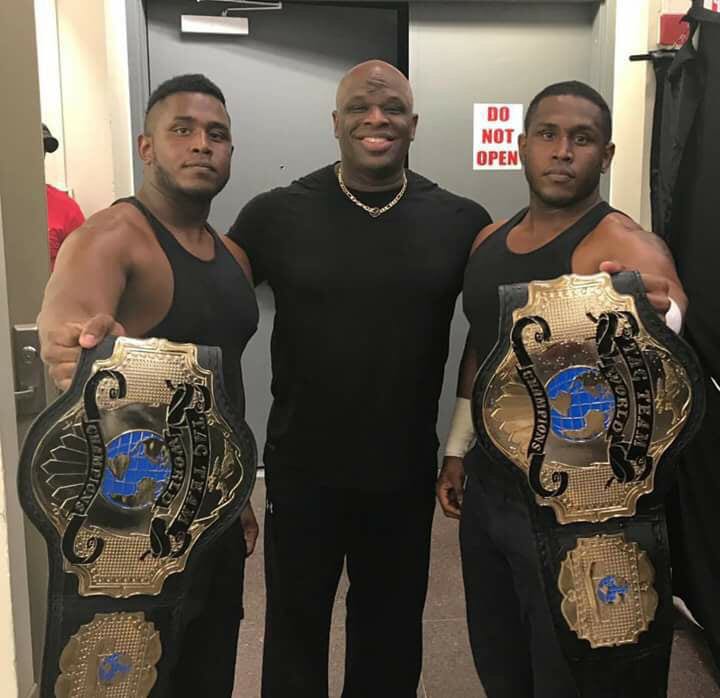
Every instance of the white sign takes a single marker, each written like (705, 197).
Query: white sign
(496, 128)
(207, 24)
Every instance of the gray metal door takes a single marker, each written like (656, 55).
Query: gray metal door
(279, 83)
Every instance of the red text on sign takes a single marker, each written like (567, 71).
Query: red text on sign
(497, 135)
(497, 157)
(498, 114)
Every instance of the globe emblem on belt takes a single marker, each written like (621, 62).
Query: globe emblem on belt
(581, 403)
(113, 668)
(138, 468)
(611, 589)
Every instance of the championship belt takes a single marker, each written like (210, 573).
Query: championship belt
(130, 476)
(587, 398)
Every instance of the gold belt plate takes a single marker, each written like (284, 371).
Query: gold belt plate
(577, 401)
(130, 518)
(113, 656)
(607, 588)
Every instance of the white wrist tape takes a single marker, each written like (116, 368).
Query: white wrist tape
(462, 432)
(673, 317)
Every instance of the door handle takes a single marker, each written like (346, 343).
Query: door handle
(29, 371)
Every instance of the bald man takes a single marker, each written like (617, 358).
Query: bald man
(365, 259)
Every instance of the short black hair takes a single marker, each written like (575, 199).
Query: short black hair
(192, 82)
(574, 88)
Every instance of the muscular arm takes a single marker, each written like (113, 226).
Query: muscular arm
(620, 240)
(90, 276)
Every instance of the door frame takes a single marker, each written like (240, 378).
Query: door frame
(16, 662)
(23, 226)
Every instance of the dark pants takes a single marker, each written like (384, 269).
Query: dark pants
(206, 661)
(310, 532)
(516, 652)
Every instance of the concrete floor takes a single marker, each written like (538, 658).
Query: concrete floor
(448, 671)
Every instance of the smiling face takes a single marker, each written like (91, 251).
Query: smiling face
(187, 145)
(374, 120)
(564, 150)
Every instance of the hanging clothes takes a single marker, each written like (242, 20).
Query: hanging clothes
(679, 80)
(688, 185)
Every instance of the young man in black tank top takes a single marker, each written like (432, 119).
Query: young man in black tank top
(365, 260)
(151, 266)
(567, 228)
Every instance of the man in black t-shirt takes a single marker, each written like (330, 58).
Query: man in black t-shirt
(365, 260)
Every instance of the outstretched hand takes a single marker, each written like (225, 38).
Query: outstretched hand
(97, 328)
(657, 288)
(61, 346)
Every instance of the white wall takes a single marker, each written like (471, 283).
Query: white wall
(50, 88)
(634, 94)
(676, 6)
(118, 97)
(83, 69)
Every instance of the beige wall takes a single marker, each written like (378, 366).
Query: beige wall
(50, 88)
(118, 97)
(82, 54)
(676, 6)
(633, 95)
(83, 72)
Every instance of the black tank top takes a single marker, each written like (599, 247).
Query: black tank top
(493, 264)
(213, 303)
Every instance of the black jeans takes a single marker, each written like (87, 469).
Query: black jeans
(214, 609)
(512, 636)
(385, 539)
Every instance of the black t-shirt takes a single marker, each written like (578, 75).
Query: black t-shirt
(363, 309)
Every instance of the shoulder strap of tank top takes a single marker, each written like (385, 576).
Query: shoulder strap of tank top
(587, 222)
(221, 249)
(593, 217)
(509, 224)
(158, 228)
(167, 240)
(568, 242)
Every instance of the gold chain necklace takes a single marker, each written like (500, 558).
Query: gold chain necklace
(374, 211)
